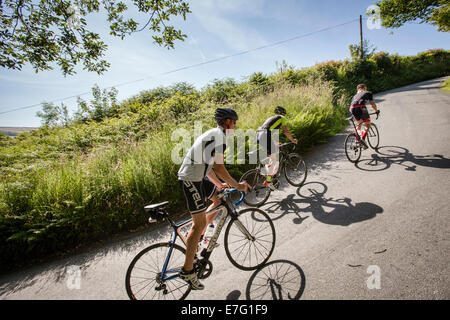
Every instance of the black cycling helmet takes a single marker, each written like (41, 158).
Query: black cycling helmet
(225, 113)
(280, 110)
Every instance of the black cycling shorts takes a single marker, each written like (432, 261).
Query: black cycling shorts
(361, 113)
(265, 141)
(196, 194)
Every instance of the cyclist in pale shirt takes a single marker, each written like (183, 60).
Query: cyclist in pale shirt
(265, 140)
(359, 110)
(204, 157)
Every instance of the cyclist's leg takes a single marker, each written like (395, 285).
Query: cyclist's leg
(210, 192)
(273, 165)
(197, 207)
(188, 273)
(274, 162)
(192, 239)
(365, 117)
(357, 113)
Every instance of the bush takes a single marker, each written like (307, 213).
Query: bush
(64, 186)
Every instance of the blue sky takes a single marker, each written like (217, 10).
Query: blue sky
(215, 29)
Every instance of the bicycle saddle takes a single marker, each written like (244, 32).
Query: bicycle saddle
(156, 207)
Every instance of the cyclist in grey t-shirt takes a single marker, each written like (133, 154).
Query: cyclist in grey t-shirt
(197, 176)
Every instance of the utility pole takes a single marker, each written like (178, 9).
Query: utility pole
(361, 36)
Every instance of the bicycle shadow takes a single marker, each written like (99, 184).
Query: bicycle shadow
(276, 280)
(387, 156)
(326, 210)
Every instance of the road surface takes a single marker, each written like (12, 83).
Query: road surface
(376, 230)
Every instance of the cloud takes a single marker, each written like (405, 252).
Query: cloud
(226, 20)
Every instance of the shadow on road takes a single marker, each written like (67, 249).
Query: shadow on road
(426, 85)
(386, 156)
(326, 210)
(276, 280)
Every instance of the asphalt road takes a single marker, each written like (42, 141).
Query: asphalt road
(376, 230)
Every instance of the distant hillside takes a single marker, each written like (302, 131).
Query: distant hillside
(15, 131)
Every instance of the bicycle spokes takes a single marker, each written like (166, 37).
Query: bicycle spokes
(250, 239)
(153, 274)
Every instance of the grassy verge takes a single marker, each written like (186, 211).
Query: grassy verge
(69, 185)
(446, 86)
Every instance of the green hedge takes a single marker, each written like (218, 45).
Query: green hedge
(64, 186)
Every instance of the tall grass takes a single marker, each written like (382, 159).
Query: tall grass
(63, 187)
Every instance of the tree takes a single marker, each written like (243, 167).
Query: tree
(355, 50)
(53, 116)
(283, 66)
(395, 13)
(43, 32)
(103, 105)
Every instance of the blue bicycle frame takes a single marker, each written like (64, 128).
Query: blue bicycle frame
(176, 227)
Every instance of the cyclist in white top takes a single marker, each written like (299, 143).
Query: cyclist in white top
(205, 159)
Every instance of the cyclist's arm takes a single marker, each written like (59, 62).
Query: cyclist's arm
(213, 178)
(374, 106)
(288, 135)
(222, 172)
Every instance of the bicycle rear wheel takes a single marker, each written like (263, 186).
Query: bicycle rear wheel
(352, 148)
(249, 239)
(373, 136)
(259, 193)
(295, 170)
(144, 281)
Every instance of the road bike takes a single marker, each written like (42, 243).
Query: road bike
(249, 241)
(292, 166)
(354, 142)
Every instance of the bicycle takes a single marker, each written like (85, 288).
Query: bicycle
(249, 241)
(354, 142)
(291, 165)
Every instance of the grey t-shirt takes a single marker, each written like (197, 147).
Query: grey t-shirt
(200, 158)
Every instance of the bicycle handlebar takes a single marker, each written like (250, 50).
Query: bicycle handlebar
(226, 191)
(377, 113)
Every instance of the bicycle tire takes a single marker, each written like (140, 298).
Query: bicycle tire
(352, 148)
(373, 137)
(259, 193)
(239, 248)
(296, 163)
(147, 279)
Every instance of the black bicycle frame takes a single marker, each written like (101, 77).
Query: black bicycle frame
(206, 253)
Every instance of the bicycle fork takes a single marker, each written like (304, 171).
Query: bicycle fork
(241, 227)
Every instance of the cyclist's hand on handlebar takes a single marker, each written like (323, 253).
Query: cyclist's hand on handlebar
(224, 186)
(243, 186)
(295, 141)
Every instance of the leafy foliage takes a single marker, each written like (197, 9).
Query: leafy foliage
(45, 32)
(395, 13)
(71, 182)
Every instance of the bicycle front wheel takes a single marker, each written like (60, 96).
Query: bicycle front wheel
(373, 136)
(295, 170)
(145, 279)
(259, 193)
(249, 239)
(352, 148)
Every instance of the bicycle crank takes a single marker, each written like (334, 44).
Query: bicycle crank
(204, 269)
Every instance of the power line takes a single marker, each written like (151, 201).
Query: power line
(195, 65)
